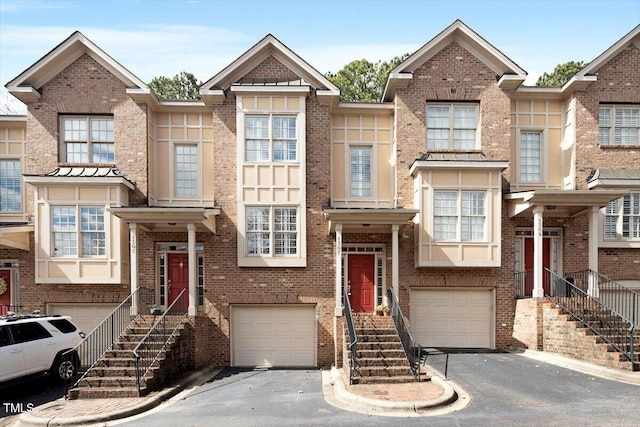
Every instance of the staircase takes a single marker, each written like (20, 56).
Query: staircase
(581, 342)
(114, 374)
(379, 353)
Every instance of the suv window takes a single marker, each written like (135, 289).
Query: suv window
(63, 325)
(4, 336)
(28, 332)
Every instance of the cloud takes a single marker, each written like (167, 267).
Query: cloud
(10, 6)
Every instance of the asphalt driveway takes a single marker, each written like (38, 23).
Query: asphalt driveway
(505, 389)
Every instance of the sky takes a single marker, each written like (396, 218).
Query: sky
(162, 38)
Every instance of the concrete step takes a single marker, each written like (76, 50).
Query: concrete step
(380, 330)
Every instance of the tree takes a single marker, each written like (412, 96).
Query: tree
(561, 74)
(362, 80)
(183, 86)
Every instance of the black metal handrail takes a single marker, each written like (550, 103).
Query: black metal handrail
(155, 341)
(615, 329)
(524, 284)
(101, 339)
(353, 336)
(412, 349)
(612, 294)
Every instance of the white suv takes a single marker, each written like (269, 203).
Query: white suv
(33, 345)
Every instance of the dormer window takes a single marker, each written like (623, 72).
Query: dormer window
(87, 139)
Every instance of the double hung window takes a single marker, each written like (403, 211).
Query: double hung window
(360, 171)
(272, 231)
(186, 159)
(619, 125)
(459, 215)
(87, 140)
(78, 230)
(452, 126)
(10, 186)
(271, 138)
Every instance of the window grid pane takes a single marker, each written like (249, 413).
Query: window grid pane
(445, 219)
(284, 136)
(285, 226)
(530, 156)
(258, 235)
(64, 231)
(186, 170)
(92, 231)
(473, 215)
(10, 186)
(360, 172)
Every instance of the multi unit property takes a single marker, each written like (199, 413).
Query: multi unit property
(480, 203)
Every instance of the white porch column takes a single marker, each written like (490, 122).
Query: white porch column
(133, 265)
(538, 226)
(394, 261)
(594, 234)
(338, 310)
(193, 265)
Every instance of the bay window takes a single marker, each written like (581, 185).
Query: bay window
(459, 215)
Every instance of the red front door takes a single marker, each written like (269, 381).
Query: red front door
(361, 283)
(178, 280)
(528, 265)
(5, 298)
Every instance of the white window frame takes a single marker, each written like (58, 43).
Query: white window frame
(608, 130)
(88, 140)
(7, 199)
(194, 178)
(361, 188)
(77, 233)
(271, 232)
(541, 159)
(615, 214)
(451, 144)
(459, 215)
(271, 140)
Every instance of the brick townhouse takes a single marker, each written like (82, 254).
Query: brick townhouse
(268, 196)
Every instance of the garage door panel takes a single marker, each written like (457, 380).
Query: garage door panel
(452, 318)
(273, 335)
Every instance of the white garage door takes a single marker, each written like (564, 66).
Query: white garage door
(283, 335)
(85, 316)
(452, 318)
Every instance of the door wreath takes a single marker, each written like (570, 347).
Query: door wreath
(3, 286)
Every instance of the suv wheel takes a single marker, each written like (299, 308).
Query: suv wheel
(65, 369)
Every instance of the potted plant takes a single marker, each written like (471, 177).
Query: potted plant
(154, 309)
(381, 310)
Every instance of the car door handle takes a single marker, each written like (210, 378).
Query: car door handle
(16, 350)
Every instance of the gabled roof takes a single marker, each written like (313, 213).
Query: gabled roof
(27, 85)
(213, 89)
(587, 75)
(511, 74)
